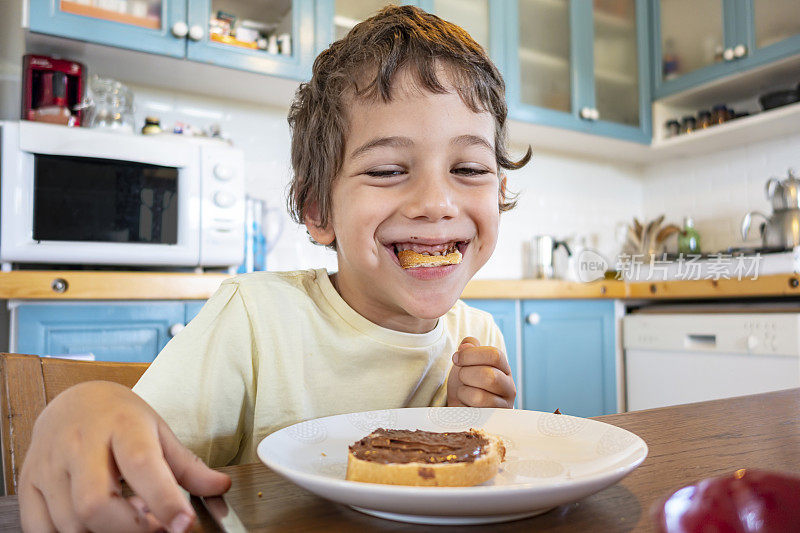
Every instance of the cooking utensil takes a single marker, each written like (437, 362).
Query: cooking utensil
(784, 194)
(541, 264)
(780, 231)
(778, 98)
(648, 240)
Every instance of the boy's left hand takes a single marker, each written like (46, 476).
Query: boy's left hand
(480, 377)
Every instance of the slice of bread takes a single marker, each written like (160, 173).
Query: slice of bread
(411, 259)
(440, 474)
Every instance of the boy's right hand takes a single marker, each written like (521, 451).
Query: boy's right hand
(89, 438)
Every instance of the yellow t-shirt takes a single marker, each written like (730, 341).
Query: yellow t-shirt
(269, 350)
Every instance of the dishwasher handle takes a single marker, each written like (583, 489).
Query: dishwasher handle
(699, 341)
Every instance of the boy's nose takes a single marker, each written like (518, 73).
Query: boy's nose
(432, 199)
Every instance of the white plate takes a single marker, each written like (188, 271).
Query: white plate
(550, 460)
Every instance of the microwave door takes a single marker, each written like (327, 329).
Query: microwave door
(87, 206)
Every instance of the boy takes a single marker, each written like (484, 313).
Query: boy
(398, 146)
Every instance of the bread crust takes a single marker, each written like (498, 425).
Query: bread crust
(462, 474)
(411, 259)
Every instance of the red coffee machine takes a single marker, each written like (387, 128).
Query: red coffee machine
(51, 89)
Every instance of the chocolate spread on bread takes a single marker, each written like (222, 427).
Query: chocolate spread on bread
(404, 446)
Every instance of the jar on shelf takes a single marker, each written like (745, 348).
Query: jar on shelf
(703, 120)
(688, 124)
(673, 128)
(720, 114)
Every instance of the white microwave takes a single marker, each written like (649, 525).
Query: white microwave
(80, 196)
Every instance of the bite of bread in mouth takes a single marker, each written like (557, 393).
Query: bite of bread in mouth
(425, 458)
(416, 256)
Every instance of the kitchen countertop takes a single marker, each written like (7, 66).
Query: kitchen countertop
(108, 285)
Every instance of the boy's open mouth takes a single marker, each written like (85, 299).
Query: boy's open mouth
(413, 255)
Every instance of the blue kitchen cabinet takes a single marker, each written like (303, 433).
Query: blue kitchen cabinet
(295, 18)
(130, 331)
(192, 308)
(180, 28)
(578, 65)
(699, 42)
(568, 360)
(506, 315)
(133, 24)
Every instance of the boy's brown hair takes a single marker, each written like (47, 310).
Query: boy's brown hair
(395, 38)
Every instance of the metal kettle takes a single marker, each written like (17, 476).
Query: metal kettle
(782, 229)
(784, 194)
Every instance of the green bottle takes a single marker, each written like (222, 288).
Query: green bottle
(688, 238)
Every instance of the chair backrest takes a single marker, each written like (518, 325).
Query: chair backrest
(28, 383)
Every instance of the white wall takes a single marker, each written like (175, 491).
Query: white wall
(719, 188)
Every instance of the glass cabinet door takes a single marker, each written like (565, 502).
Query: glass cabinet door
(348, 13)
(154, 26)
(472, 15)
(142, 13)
(775, 21)
(616, 72)
(692, 35)
(544, 54)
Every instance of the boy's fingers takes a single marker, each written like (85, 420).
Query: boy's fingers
(141, 462)
(489, 379)
(33, 513)
(483, 356)
(58, 498)
(469, 340)
(189, 470)
(97, 496)
(475, 397)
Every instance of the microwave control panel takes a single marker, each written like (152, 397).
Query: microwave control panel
(223, 206)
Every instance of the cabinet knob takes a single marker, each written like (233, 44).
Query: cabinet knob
(196, 33)
(59, 285)
(180, 29)
(174, 329)
(586, 113)
(728, 54)
(740, 50)
(595, 114)
(533, 319)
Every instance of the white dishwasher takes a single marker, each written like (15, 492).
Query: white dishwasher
(689, 357)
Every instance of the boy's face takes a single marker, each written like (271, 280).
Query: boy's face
(419, 172)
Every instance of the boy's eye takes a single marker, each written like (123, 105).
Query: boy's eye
(470, 171)
(384, 173)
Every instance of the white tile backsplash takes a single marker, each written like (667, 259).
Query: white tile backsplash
(718, 189)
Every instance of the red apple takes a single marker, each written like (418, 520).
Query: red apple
(747, 501)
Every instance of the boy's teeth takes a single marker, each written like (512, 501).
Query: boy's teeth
(438, 249)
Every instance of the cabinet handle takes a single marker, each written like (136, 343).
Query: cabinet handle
(59, 285)
(174, 329)
(586, 113)
(533, 319)
(196, 33)
(728, 54)
(740, 50)
(180, 29)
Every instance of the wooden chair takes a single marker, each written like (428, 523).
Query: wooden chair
(28, 383)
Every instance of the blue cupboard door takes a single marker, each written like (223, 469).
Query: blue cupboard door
(154, 26)
(131, 332)
(289, 54)
(769, 31)
(506, 315)
(192, 308)
(569, 358)
(482, 19)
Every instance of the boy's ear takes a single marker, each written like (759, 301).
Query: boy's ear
(321, 234)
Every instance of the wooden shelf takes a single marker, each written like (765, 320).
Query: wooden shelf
(83, 10)
(766, 125)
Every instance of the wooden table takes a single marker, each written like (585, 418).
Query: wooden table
(687, 443)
